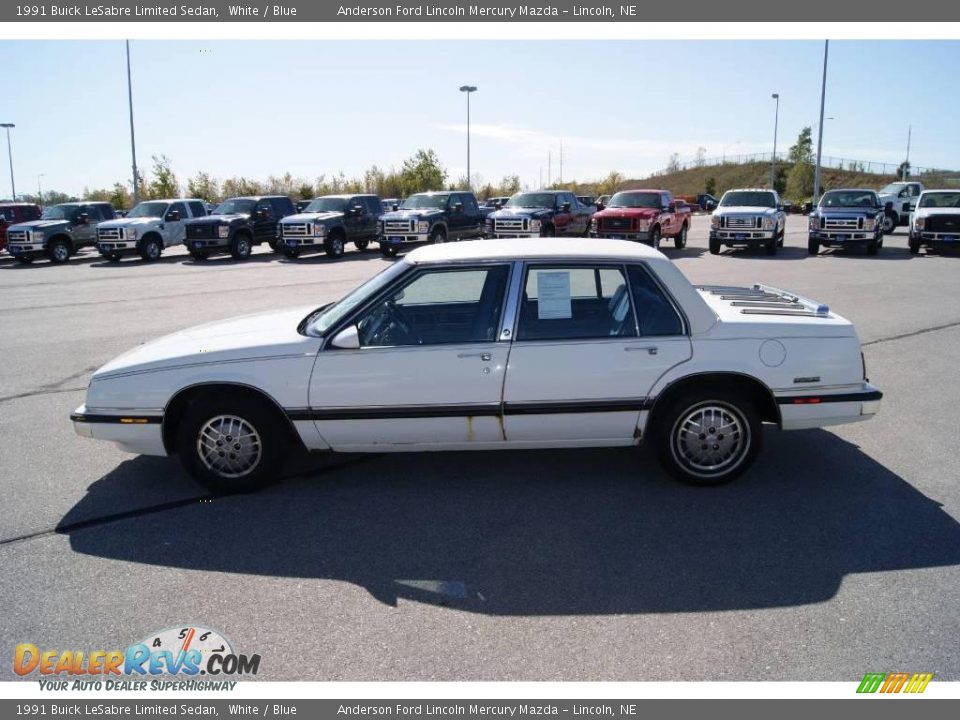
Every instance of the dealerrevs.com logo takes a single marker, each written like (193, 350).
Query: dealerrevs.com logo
(181, 652)
(897, 682)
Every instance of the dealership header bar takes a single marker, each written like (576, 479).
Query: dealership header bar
(447, 11)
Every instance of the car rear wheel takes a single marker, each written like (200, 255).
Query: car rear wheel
(438, 236)
(709, 437)
(914, 245)
(113, 257)
(680, 241)
(714, 246)
(655, 238)
(240, 247)
(813, 247)
(333, 245)
(59, 251)
(231, 445)
(388, 251)
(199, 254)
(291, 253)
(361, 245)
(24, 259)
(150, 250)
(889, 222)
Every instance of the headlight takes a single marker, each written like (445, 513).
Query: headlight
(223, 231)
(919, 223)
(319, 230)
(36, 236)
(423, 227)
(535, 225)
(643, 224)
(714, 221)
(132, 234)
(869, 224)
(767, 223)
(814, 223)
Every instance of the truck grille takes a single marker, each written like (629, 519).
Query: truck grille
(942, 223)
(614, 223)
(17, 236)
(109, 233)
(297, 229)
(200, 230)
(837, 223)
(510, 224)
(742, 221)
(399, 227)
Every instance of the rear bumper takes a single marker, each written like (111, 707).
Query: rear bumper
(809, 410)
(133, 432)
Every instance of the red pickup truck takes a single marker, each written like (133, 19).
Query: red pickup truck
(13, 213)
(646, 216)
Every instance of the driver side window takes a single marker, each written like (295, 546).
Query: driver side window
(436, 307)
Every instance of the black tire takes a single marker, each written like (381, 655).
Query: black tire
(388, 250)
(654, 240)
(889, 223)
(291, 253)
(813, 246)
(113, 257)
(254, 464)
(240, 246)
(714, 246)
(150, 249)
(199, 254)
(771, 247)
(277, 246)
(25, 259)
(439, 235)
(872, 246)
(58, 251)
(688, 450)
(361, 245)
(781, 236)
(914, 245)
(334, 245)
(548, 231)
(680, 241)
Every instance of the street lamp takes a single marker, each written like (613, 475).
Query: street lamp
(468, 89)
(773, 158)
(823, 99)
(39, 191)
(133, 146)
(13, 188)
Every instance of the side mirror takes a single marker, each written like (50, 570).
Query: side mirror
(172, 216)
(458, 207)
(780, 207)
(261, 215)
(83, 219)
(347, 339)
(670, 207)
(395, 207)
(3, 221)
(358, 210)
(566, 207)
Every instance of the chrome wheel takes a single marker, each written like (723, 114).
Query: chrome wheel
(229, 446)
(243, 247)
(60, 251)
(710, 438)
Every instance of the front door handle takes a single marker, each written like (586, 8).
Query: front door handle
(651, 349)
(485, 356)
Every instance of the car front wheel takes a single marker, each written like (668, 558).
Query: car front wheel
(709, 437)
(914, 245)
(59, 251)
(813, 246)
(150, 250)
(889, 223)
(361, 245)
(333, 245)
(681, 240)
(240, 247)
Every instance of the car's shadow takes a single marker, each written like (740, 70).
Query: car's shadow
(547, 532)
(786, 252)
(884, 253)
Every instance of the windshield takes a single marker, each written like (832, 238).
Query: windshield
(748, 198)
(327, 204)
(635, 200)
(237, 206)
(148, 209)
(532, 200)
(324, 319)
(418, 202)
(59, 212)
(940, 199)
(848, 198)
(892, 189)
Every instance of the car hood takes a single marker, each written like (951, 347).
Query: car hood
(215, 219)
(259, 336)
(412, 214)
(521, 213)
(847, 211)
(313, 217)
(37, 224)
(746, 210)
(130, 222)
(928, 212)
(627, 212)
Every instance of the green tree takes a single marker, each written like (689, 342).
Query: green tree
(164, 183)
(120, 197)
(710, 187)
(802, 149)
(203, 186)
(610, 184)
(510, 185)
(799, 181)
(422, 172)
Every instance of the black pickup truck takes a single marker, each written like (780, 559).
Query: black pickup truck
(328, 223)
(236, 225)
(431, 217)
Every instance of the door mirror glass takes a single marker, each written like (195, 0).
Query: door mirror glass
(83, 219)
(173, 216)
(458, 207)
(347, 339)
(565, 207)
(358, 210)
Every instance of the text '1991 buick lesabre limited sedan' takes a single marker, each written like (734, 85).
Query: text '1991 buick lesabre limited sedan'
(485, 345)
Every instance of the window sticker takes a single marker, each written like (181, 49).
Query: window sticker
(553, 295)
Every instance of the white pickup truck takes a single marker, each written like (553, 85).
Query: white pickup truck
(903, 199)
(148, 229)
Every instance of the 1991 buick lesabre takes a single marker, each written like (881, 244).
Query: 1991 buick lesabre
(486, 345)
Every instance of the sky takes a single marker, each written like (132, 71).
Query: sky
(312, 108)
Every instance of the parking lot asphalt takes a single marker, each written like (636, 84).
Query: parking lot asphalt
(837, 554)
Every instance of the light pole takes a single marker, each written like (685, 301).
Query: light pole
(468, 89)
(13, 188)
(773, 158)
(823, 99)
(133, 147)
(39, 191)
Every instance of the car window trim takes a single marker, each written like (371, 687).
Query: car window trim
(684, 322)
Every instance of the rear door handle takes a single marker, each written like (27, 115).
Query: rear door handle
(482, 355)
(651, 349)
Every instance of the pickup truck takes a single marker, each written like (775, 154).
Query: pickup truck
(936, 220)
(13, 213)
(59, 233)
(148, 229)
(236, 225)
(328, 223)
(751, 218)
(646, 216)
(545, 213)
(430, 217)
(847, 217)
(902, 197)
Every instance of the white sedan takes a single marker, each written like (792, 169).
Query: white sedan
(490, 345)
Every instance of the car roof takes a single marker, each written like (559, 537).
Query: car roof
(170, 200)
(870, 190)
(534, 248)
(769, 190)
(639, 190)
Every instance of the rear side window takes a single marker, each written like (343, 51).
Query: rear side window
(93, 212)
(106, 212)
(197, 209)
(282, 207)
(373, 204)
(180, 208)
(470, 204)
(655, 314)
(579, 302)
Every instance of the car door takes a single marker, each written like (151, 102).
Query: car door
(373, 205)
(429, 368)
(86, 233)
(174, 231)
(473, 220)
(591, 341)
(456, 219)
(264, 225)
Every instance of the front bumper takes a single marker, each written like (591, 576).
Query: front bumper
(742, 237)
(17, 248)
(208, 243)
(408, 239)
(838, 237)
(112, 247)
(937, 238)
(134, 432)
(811, 409)
(635, 235)
(313, 241)
(499, 235)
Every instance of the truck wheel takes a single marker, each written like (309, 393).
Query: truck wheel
(231, 445)
(813, 246)
(291, 253)
(113, 257)
(150, 250)
(548, 231)
(714, 246)
(680, 241)
(771, 247)
(890, 220)
(781, 236)
(240, 247)
(277, 246)
(438, 236)
(655, 238)
(361, 245)
(872, 247)
(25, 259)
(708, 437)
(199, 254)
(914, 245)
(388, 251)
(58, 251)
(333, 245)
